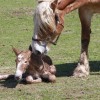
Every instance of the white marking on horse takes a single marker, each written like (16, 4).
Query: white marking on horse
(42, 21)
(19, 72)
(20, 57)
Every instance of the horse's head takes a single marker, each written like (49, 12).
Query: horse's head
(22, 62)
(46, 26)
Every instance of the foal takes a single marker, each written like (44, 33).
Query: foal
(33, 68)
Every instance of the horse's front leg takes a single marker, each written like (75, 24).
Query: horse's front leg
(29, 79)
(82, 70)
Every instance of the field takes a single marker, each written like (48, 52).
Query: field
(16, 29)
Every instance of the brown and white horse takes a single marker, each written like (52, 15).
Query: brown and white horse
(33, 68)
(48, 24)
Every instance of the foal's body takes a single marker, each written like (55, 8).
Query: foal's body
(42, 70)
(34, 67)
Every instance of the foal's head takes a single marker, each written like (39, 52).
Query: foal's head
(22, 62)
(45, 26)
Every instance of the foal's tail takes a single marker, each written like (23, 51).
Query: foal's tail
(7, 76)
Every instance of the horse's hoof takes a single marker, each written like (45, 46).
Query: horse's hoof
(52, 78)
(81, 71)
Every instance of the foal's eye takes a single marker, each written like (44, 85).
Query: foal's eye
(25, 61)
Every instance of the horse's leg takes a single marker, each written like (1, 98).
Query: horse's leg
(82, 69)
(52, 69)
(4, 77)
(30, 80)
(47, 76)
(52, 78)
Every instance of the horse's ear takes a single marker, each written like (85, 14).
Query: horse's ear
(16, 51)
(54, 4)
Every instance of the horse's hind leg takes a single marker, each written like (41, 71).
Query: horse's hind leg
(82, 70)
(52, 69)
(47, 76)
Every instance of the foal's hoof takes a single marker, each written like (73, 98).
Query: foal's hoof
(52, 78)
(81, 71)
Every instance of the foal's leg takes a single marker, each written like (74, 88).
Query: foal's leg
(4, 77)
(48, 76)
(82, 70)
(30, 80)
(52, 78)
(52, 69)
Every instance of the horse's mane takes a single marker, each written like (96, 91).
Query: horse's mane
(44, 21)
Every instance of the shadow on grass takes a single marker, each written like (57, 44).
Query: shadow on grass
(9, 83)
(62, 70)
(68, 68)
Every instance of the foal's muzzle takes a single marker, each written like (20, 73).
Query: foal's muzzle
(18, 78)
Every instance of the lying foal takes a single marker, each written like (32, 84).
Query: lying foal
(34, 68)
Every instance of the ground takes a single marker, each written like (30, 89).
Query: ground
(16, 29)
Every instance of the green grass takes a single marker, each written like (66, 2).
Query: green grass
(16, 29)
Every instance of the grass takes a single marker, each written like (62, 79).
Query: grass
(16, 29)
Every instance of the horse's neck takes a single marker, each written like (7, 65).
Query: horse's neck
(63, 3)
(32, 67)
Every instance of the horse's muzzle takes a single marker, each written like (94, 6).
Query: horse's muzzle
(38, 52)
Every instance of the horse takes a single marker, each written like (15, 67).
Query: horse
(49, 23)
(33, 68)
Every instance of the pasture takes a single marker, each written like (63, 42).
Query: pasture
(16, 29)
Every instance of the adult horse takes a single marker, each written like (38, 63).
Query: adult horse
(49, 21)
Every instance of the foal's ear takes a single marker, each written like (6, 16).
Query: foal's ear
(16, 51)
(54, 4)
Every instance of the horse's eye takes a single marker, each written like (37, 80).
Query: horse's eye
(26, 62)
